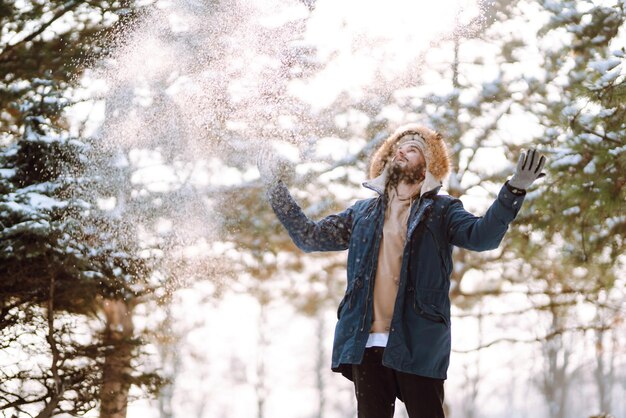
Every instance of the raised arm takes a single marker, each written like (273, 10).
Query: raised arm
(485, 233)
(329, 234)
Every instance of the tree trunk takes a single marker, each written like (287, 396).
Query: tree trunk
(556, 377)
(168, 347)
(260, 385)
(56, 392)
(116, 371)
(320, 363)
(604, 373)
(473, 374)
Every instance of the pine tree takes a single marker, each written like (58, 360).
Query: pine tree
(48, 280)
(58, 261)
(573, 238)
(52, 41)
(586, 123)
(58, 264)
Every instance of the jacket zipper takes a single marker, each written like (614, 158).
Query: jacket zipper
(369, 282)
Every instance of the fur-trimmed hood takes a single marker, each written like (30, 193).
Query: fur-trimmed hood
(435, 154)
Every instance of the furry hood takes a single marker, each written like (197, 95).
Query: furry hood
(435, 154)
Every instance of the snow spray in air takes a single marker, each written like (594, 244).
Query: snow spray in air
(193, 88)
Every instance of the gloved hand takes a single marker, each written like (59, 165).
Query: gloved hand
(271, 167)
(528, 170)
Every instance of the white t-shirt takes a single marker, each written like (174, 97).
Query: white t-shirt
(377, 339)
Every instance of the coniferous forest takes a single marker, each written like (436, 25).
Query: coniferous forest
(143, 273)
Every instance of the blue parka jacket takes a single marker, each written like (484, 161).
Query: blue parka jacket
(419, 338)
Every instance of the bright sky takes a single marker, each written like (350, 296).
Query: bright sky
(359, 40)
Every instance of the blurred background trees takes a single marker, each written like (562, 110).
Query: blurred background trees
(109, 233)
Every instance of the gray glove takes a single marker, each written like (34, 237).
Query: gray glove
(271, 167)
(528, 170)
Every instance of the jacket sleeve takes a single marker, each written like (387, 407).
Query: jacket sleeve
(329, 234)
(483, 233)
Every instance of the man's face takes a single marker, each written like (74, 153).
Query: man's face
(408, 163)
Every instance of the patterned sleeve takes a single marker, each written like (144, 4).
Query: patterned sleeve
(331, 233)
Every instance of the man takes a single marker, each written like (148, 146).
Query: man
(392, 337)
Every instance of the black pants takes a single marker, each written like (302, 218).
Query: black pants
(377, 388)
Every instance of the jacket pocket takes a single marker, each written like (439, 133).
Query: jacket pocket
(430, 304)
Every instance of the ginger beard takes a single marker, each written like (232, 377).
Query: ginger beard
(403, 171)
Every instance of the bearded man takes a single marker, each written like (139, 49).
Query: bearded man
(392, 338)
